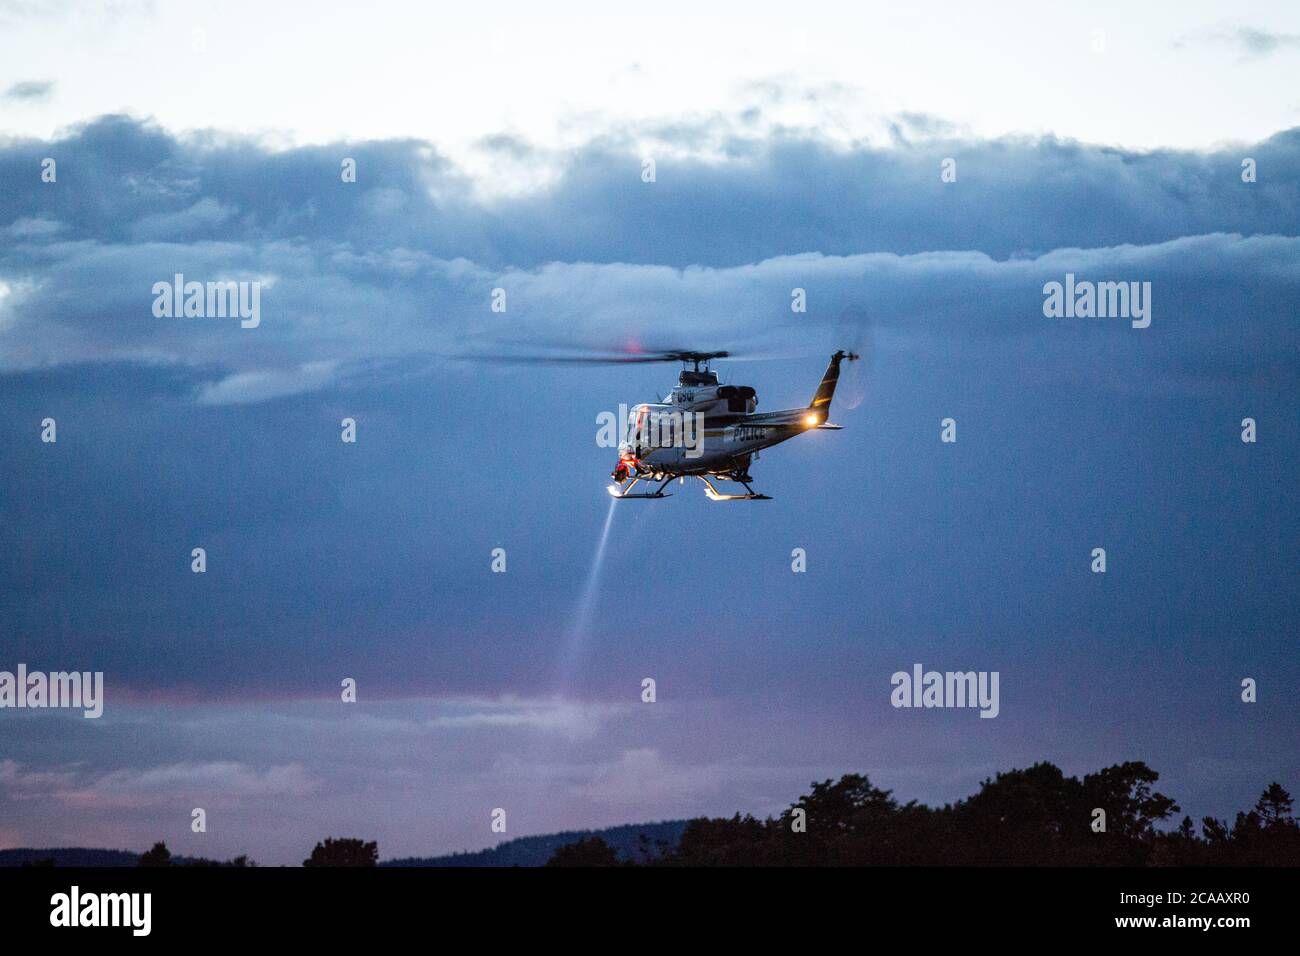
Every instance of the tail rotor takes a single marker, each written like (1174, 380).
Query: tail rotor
(856, 328)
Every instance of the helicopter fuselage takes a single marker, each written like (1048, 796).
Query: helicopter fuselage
(703, 428)
(678, 439)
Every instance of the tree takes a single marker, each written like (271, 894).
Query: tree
(158, 856)
(650, 852)
(1274, 807)
(1181, 847)
(589, 852)
(738, 841)
(344, 851)
(1132, 807)
(1216, 831)
(850, 822)
(1020, 818)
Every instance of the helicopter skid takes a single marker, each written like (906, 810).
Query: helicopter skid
(712, 493)
(616, 492)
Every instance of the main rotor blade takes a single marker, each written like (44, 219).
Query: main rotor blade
(561, 359)
(627, 358)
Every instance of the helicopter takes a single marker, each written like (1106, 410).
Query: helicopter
(709, 431)
(701, 429)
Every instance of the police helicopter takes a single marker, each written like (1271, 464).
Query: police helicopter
(706, 430)
(702, 429)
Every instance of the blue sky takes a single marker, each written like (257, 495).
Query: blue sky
(522, 690)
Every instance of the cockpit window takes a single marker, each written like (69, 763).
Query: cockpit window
(635, 426)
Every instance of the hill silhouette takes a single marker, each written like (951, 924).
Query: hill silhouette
(68, 856)
(625, 840)
(521, 851)
(86, 856)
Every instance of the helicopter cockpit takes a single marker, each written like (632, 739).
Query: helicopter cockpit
(635, 427)
(643, 425)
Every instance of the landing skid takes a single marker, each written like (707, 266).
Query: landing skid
(712, 493)
(618, 492)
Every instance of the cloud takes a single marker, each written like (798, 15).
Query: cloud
(204, 215)
(29, 90)
(1251, 43)
(26, 784)
(244, 387)
(230, 435)
(332, 314)
(573, 720)
(421, 776)
(217, 782)
(729, 198)
(34, 228)
(377, 277)
(159, 786)
(643, 776)
(20, 10)
(1258, 43)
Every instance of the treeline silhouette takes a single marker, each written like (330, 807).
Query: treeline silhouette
(159, 855)
(1033, 817)
(334, 851)
(342, 851)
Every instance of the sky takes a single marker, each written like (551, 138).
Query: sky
(503, 149)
